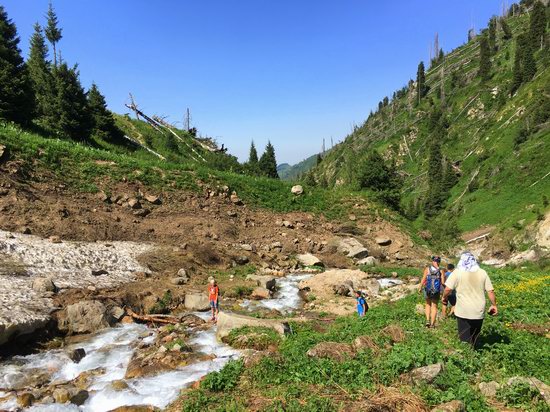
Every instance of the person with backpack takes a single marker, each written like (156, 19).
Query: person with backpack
(431, 285)
(471, 283)
(451, 299)
(362, 306)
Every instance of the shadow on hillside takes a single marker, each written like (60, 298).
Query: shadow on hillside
(489, 338)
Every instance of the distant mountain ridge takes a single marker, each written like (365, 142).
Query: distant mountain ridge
(294, 172)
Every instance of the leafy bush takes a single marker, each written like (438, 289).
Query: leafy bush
(225, 379)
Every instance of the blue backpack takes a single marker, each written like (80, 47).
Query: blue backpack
(433, 282)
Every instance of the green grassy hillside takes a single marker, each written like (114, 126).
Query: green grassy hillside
(293, 172)
(499, 144)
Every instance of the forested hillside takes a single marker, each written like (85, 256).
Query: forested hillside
(467, 139)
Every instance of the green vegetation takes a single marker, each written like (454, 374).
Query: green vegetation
(258, 338)
(511, 344)
(297, 171)
(466, 147)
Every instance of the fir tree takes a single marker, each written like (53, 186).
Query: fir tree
(103, 123)
(40, 75)
(71, 117)
(268, 163)
(422, 89)
(53, 32)
(492, 35)
(528, 64)
(484, 59)
(537, 26)
(436, 196)
(253, 156)
(517, 73)
(319, 159)
(441, 56)
(505, 29)
(16, 98)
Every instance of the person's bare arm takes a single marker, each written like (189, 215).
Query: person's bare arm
(446, 294)
(492, 297)
(423, 281)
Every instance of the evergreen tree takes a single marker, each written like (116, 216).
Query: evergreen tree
(484, 59)
(53, 32)
(16, 98)
(517, 73)
(268, 163)
(253, 156)
(422, 89)
(492, 35)
(527, 59)
(505, 29)
(441, 56)
(378, 176)
(319, 159)
(436, 196)
(40, 75)
(103, 123)
(71, 117)
(537, 26)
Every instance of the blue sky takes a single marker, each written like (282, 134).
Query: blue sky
(291, 71)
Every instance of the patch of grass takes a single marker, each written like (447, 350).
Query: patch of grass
(259, 338)
(163, 304)
(225, 379)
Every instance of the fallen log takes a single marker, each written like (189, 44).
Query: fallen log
(152, 318)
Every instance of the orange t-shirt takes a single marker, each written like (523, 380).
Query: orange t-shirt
(213, 291)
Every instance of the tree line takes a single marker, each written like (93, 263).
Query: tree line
(48, 94)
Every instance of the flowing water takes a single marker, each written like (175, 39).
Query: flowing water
(109, 352)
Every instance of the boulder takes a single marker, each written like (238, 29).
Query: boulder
(382, 240)
(79, 397)
(242, 260)
(336, 351)
(196, 301)
(371, 285)
(25, 400)
(84, 317)
(179, 281)
(133, 203)
(452, 406)
(77, 355)
(288, 224)
(247, 247)
(368, 261)
(344, 289)
(362, 343)
(534, 383)
(43, 285)
(155, 200)
(489, 389)
(117, 313)
(260, 293)
(350, 247)
(297, 190)
(426, 373)
(308, 259)
(229, 321)
(420, 309)
(61, 395)
(264, 281)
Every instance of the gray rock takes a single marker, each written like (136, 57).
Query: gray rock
(229, 321)
(265, 281)
(534, 383)
(247, 247)
(452, 406)
(134, 203)
(78, 397)
(155, 200)
(83, 317)
(43, 285)
(235, 199)
(242, 260)
(117, 313)
(426, 373)
(142, 212)
(336, 351)
(368, 261)
(260, 293)
(297, 190)
(288, 224)
(196, 301)
(489, 389)
(382, 240)
(351, 247)
(308, 259)
(178, 281)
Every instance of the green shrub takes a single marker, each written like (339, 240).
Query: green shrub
(225, 379)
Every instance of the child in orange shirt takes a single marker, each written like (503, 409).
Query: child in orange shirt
(213, 296)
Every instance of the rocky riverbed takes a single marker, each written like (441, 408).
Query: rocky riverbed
(33, 268)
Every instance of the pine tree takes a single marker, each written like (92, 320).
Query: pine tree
(103, 123)
(517, 73)
(16, 98)
(268, 163)
(484, 59)
(526, 55)
(40, 75)
(506, 29)
(72, 118)
(492, 35)
(537, 26)
(441, 56)
(422, 89)
(436, 196)
(253, 156)
(53, 32)
(319, 159)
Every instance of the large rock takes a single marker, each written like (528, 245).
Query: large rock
(362, 343)
(153, 199)
(543, 234)
(426, 373)
(43, 285)
(297, 190)
(264, 281)
(489, 389)
(196, 301)
(260, 293)
(382, 240)
(307, 259)
(336, 351)
(534, 383)
(229, 321)
(323, 285)
(351, 247)
(84, 317)
(368, 261)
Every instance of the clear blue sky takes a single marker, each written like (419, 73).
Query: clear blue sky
(292, 71)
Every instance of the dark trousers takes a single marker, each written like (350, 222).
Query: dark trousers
(469, 329)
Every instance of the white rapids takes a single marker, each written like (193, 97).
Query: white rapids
(286, 299)
(109, 353)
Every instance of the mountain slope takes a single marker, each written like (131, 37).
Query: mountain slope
(293, 172)
(498, 153)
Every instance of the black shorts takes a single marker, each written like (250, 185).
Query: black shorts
(451, 300)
